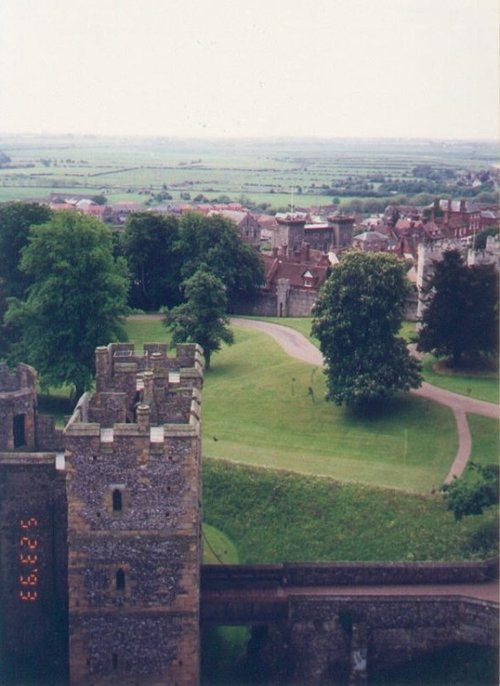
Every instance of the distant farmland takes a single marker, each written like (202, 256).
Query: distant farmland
(277, 172)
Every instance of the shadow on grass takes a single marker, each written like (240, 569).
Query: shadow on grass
(486, 367)
(376, 410)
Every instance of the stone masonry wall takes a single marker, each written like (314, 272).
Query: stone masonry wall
(33, 563)
(326, 635)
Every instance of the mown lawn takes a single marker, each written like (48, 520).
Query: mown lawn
(264, 408)
(485, 439)
(483, 385)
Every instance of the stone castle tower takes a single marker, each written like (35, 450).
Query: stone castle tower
(133, 486)
(125, 471)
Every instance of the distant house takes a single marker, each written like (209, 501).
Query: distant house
(371, 241)
(459, 218)
(245, 222)
(291, 283)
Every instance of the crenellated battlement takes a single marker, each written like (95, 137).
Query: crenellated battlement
(126, 380)
(115, 362)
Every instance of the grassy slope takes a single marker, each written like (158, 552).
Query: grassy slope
(278, 516)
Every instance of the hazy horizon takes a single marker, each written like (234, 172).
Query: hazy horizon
(188, 69)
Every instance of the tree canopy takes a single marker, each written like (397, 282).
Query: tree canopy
(76, 299)
(162, 251)
(356, 319)
(150, 245)
(461, 314)
(16, 218)
(216, 243)
(202, 318)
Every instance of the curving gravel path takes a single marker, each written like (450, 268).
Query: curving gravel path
(296, 345)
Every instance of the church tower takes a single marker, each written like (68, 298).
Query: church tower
(132, 452)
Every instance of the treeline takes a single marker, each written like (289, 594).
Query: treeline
(67, 280)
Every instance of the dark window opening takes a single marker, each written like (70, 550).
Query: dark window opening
(117, 500)
(120, 580)
(114, 660)
(18, 430)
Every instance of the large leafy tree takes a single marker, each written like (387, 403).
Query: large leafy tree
(150, 245)
(202, 317)
(461, 315)
(16, 218)
(215, 242)
(77, 297)
(356, 318)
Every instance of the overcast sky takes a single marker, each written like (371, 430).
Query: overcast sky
(383, 68)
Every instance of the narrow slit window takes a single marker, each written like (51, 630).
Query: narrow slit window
(117, 500)
(114, 660)
(120, 580)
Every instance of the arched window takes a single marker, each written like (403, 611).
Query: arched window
(120, 580)
(117, 500)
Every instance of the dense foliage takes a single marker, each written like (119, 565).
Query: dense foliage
(215, 242)
(162, 251)
(202, 317)
(75, 301)
(472, 493)
(15, 222)
(356, 319)
(461, 315)
(150, 245)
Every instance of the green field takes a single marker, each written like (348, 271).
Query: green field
(258, 171)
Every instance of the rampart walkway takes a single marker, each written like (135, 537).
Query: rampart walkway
(296, 345)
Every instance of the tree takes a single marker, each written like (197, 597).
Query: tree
(215, 242)
(356, 318)
(76, 299)
(202, 318)
(474, 491)
(461, 314)
(150, 245)
(16, 218)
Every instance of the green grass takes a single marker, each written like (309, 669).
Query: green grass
(217, 548)
(482, 385)
(300, 324)
(142, 330)
(261, 407)
(485, 439)
(276, 516)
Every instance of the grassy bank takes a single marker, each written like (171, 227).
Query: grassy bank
(274, 516)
